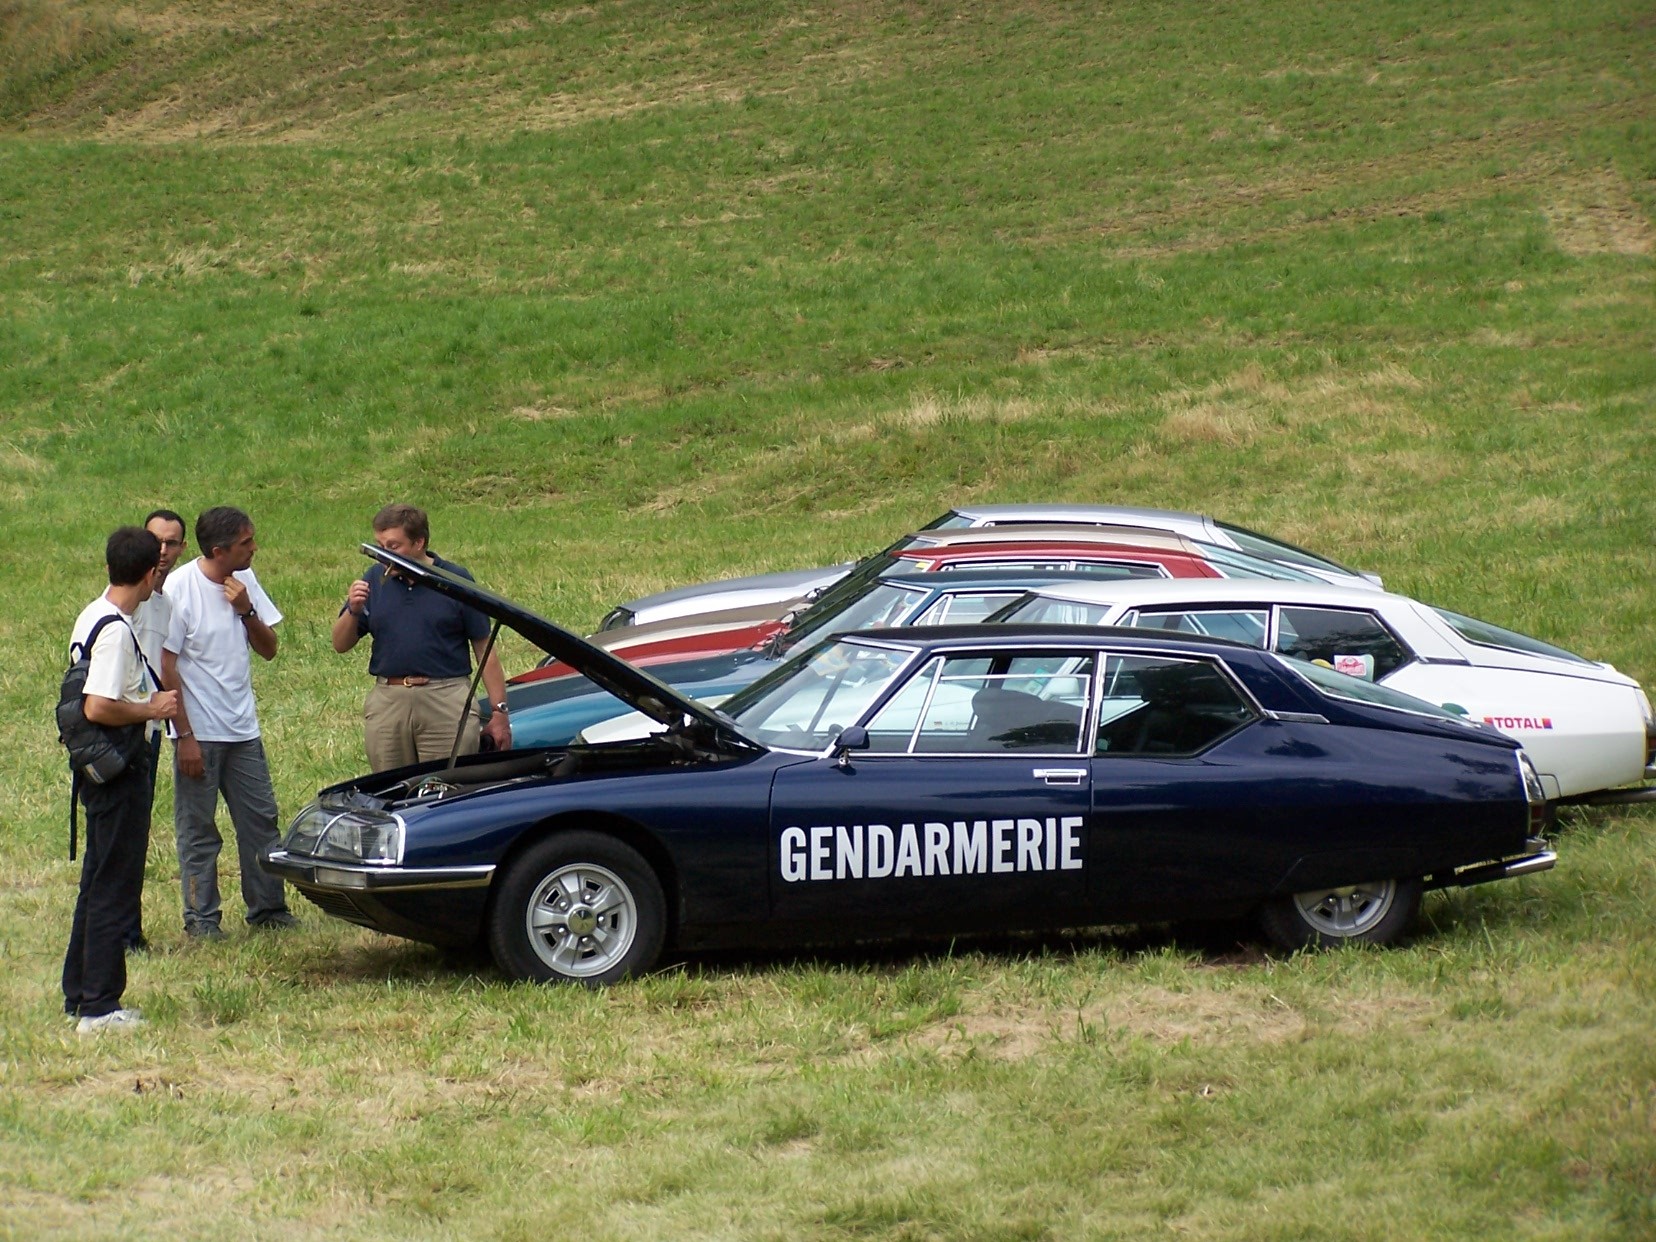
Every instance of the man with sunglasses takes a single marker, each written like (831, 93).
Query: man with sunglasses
(150, 622)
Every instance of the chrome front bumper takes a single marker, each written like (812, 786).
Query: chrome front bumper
(309, 872)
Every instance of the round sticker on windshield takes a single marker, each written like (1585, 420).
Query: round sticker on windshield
(1355, 666)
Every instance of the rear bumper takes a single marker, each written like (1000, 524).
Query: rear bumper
(1615, 797)
(1538, 858)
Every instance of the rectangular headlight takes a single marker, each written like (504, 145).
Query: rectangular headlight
(1533, 790)
(359, 836)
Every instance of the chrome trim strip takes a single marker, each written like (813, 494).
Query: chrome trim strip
(1297, 717)
(310, 870)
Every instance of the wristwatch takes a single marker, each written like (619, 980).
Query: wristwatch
(500, 708)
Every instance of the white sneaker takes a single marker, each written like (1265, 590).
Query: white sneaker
(115, 1019)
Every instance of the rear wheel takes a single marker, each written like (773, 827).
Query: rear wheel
(1377, 912)
(578, 907)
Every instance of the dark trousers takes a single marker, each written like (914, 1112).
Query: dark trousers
(134, 937)
(111, 888)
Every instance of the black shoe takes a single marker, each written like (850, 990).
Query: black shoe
(138, 944)
(276, 922)
(204, 931)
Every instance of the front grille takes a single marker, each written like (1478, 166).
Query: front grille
(340, 905)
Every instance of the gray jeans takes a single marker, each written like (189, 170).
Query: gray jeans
(238, 771)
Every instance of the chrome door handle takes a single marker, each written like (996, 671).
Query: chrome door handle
(1061, 776)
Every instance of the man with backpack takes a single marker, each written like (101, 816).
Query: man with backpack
(122, 698)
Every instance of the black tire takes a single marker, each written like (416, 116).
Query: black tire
(1377, 912)
(578, 907)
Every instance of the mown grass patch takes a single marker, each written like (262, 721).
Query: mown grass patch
(630, 295)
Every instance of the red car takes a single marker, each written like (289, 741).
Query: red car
(1112, 552)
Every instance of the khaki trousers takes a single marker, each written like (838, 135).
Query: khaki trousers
(415, 724)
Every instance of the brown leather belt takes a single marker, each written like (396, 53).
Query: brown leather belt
(410, 680)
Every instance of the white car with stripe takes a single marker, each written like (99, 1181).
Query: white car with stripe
(1588, 727)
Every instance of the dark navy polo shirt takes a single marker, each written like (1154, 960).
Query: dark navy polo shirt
(418, 632)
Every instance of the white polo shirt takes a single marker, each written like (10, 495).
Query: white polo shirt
(150, 619)
(215, 665)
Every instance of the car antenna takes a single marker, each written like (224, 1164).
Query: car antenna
(471, 697)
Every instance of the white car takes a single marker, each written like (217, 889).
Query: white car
(1588, 728)
(791, 585)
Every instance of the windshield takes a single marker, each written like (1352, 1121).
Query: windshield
(877, 606)
(807, 702)
(1487, 635)
(867, 570)
(1039, 610)
(1280, 552)
(1339, 686)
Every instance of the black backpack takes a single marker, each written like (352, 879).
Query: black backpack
(97, 753)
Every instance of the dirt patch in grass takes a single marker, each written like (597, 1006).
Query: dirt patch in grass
(386, 1098)
(1597, 215)
(1162, 1016)
(1243, 407)
(1157, 1015)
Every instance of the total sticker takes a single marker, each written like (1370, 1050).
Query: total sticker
(1531, 723)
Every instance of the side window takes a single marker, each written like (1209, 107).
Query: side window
(1351, 642)
(970, 705)
(1160, 705)
(1242, 625)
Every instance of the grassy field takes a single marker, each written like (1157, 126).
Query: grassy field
(630, 294)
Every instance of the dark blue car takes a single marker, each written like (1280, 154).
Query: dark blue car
(929, 782)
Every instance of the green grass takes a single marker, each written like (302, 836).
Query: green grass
(632, 294)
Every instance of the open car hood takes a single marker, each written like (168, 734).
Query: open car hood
(626, 682)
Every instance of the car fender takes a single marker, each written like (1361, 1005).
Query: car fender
(1582, 733)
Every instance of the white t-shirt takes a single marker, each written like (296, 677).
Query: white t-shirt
(115, 671)
(215, 666)
(150, 619)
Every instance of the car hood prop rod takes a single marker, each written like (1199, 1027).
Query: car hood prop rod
(471, 697)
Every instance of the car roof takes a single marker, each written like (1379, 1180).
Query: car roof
(695, 623)
(1037, 533)
(1126, 515)
(1143, 591)
(981, 579)
(1024, 633)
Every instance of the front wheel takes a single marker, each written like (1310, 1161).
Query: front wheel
(578, 907)
(1377, 912)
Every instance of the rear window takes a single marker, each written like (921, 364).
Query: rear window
(1276, 550)
(1487, 635)
(1339, 686)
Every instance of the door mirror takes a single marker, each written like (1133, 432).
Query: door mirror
(854, 738)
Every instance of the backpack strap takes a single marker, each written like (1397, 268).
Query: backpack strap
(84, 647)
(74, 797)
(137, 647)
(155, 677)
